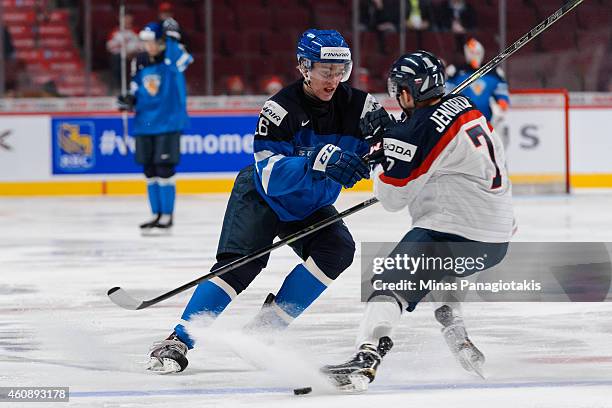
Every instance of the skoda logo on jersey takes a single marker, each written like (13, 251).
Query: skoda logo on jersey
(399, 150)
(151, 84)
(74, 142)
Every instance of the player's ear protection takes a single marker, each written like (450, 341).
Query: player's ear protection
(304, 66)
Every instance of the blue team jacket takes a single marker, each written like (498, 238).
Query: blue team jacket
(160, 90)
(492, 85)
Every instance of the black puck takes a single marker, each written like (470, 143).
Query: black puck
(302, 391)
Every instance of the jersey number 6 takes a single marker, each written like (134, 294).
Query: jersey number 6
(474, 133)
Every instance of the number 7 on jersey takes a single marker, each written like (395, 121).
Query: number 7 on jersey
(474, 134)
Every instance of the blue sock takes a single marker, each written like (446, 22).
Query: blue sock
(154, 194)
(301, 288)
(167, 190)
(210, 299)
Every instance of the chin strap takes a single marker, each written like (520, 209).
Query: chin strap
(306, 75)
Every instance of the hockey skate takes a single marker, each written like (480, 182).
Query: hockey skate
(150, 224)
(466, 353)
(355, 374)
(162, 225)
(168, 356)
(267, 320)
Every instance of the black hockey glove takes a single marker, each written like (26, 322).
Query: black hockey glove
(126, 102)
(171, 29)
(372, 127)
(374, 123)
(343, 167)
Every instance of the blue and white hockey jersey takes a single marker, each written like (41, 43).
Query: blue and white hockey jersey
(291, 122)
(160, 90)
(491, 86)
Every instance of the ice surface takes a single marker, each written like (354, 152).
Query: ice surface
(59, 256)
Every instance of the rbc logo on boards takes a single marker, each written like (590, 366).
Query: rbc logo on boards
(75, 145)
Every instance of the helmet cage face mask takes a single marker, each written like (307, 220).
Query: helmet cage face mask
(474, 53)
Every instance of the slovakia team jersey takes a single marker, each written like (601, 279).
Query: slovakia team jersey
(492, 85)
(291, 123)
(159, 87)
(448, 168)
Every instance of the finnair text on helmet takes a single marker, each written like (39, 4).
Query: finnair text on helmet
(444, 115)
(338, 53)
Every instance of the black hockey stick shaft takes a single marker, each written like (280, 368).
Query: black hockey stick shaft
(123, 299)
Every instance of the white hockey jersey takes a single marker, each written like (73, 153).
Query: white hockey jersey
(447, 165)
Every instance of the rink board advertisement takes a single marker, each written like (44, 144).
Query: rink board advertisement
(76, 145)
(97, 146)
(24, 148)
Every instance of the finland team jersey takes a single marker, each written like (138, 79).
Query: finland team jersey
(161, 94)
(290, 123)
(449, 170)
(492, 85)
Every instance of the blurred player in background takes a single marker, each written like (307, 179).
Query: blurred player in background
(307, 147)
(446, 165)
(158, 95)
(490, 92)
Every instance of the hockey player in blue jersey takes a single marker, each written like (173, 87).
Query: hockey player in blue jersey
(307, 147)
(158, 95)
(490, 92)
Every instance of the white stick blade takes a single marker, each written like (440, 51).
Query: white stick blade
(121, 298)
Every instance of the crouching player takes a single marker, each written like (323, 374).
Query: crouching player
(307, 147)
(451, 176)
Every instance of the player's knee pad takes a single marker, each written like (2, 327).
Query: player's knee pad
(150, 171)
(334, 253)
(240, 278)
(165, 170)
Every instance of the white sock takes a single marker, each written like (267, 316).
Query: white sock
(379, 319)
(165, 218)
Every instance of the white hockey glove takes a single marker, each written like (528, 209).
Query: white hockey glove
(497, 113)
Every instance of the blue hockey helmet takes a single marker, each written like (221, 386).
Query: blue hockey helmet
(421, 73)
(324, 46)
(151, 32)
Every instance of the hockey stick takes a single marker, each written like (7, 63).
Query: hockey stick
(123, 299)
(124, 114)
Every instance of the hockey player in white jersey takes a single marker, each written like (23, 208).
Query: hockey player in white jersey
(446, 165)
